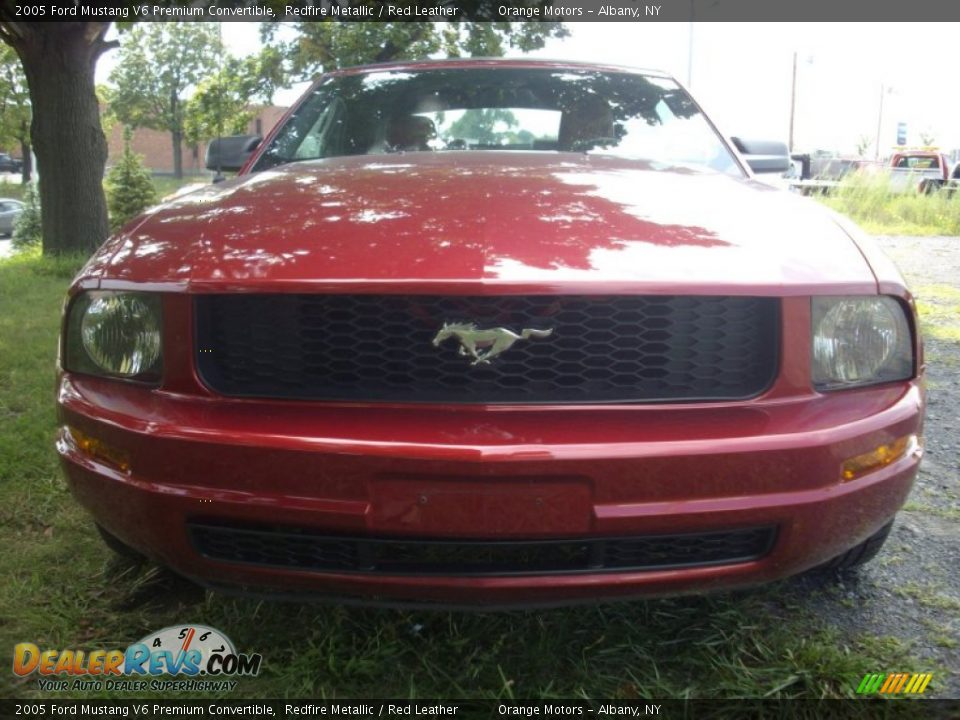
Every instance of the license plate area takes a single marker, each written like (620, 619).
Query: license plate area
(488, 508)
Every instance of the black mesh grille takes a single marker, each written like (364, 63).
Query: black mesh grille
(601, 349)
(303, 550)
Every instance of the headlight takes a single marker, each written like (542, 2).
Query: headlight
(860, 341)
(115, 333)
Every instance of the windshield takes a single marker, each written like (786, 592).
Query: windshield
(481, 109)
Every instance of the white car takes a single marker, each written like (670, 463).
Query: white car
(9, 212)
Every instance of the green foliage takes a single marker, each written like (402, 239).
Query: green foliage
(129, 187)
(221, 103)
(323, 46)
(481, 125)
(869, 201)
(28, 231)
(158, 63)
(14, 101)
(108, 118)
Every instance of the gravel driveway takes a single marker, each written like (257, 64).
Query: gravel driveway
(911, 591)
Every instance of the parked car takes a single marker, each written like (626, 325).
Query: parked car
(830, 172)
(841, 167)
(10, 164)
(484, 332)
(10, 211)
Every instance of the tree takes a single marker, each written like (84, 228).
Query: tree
(222, 103)
(15, 107)
(59, 60)
(159, 62)
(483, 125)
(220, 106)
(863, 144)
(323, 46)
(129, 186)
(927, 137)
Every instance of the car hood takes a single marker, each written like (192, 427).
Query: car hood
(537, 222)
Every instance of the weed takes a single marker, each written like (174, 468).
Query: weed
(868, 200)
(929, 595)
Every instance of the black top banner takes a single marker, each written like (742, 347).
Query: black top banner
(491, 10)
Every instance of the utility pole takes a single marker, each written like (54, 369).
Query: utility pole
(876, 150)
(793, 98)
(690, 50)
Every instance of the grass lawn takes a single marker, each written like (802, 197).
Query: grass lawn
(867, 200)
(62, 589)
(167, 184)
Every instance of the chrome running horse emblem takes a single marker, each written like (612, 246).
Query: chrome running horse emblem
(484, 345)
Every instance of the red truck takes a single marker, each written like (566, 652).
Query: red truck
(924, 170)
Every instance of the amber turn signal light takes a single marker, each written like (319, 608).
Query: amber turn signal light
(100, 450)
(879, 457)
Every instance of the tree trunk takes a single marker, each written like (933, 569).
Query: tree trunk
(25, 152)
(176, 135)
(26, 170)
(177, 138)
(59, 60)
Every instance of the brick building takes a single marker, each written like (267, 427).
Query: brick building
(156, 145)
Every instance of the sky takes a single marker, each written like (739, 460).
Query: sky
(741, 75)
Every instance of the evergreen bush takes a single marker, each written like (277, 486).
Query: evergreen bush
(129, 187)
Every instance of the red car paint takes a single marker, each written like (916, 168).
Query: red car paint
(490, 223)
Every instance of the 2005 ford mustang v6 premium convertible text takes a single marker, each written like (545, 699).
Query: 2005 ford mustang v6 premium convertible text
(491, 333)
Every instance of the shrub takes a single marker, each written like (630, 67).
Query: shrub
(27, 231)
(129, 187)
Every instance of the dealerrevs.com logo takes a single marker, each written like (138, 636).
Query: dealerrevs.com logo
(190, 650)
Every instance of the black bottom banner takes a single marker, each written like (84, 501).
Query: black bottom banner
(435, 709)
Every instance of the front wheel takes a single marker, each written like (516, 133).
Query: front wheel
(862, 553)
(119, 547)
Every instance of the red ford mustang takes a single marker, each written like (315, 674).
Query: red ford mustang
(491, 333)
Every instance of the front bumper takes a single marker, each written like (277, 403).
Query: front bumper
(488, 474)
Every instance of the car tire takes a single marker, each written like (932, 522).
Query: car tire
(862, 553)
(119, 547)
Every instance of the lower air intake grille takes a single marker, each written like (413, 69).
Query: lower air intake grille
(397, 556)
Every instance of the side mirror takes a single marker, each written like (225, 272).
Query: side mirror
(231, 153)
(764, 156)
